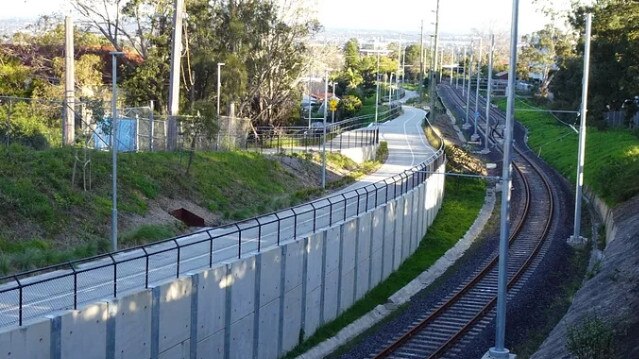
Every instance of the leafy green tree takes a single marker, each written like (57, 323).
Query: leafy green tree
(542, 53)
(351, 54)
(349, 105)
(614, 61)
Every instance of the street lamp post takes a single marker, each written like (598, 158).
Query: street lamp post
(219, 85)
(324, 132)
(114, 149)
(377, 89)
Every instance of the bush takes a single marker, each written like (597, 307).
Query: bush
(349, 105)
(592, 339)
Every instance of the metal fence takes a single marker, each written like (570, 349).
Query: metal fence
(39, 292)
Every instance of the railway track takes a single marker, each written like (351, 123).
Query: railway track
(470, 308)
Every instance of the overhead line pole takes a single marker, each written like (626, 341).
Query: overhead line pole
(499, 351)
(432, 74)
(582, 132)
(421, 62)
(488, 90)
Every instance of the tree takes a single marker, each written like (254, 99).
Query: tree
(351, 54)
(614, 62)
(543, 52)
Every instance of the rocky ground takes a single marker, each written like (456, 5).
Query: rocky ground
(603, 320)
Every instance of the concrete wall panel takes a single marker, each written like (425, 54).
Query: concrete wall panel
(83, 332)
(242, 278)
(268, 332)
(364, 248)
(180, 351)
(292, 320)
(241, 338)
(313, 309)
(174, 324)
(389, 239)
(211, 346)
(399, 234)
(212, 301)
(132, 320)
(30, 341)
(313, 304)
(294, 265)
(347, 268)
(331, 273)
(270, 271)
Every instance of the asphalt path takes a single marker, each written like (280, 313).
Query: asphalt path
(98, 280)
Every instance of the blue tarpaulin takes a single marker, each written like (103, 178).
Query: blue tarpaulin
(126, 140)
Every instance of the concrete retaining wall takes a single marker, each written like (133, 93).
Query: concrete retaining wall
(256, 307)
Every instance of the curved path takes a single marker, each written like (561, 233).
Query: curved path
(143, 267)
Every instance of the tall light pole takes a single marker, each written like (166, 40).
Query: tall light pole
(377, 89)
(576, 237)
(499, 351)
(219, 85)
(476, 115)
(435, 48)
(452, 61)
(470, 75)
(114, 149)
(488, 90)
(324, 140)
(465, 70)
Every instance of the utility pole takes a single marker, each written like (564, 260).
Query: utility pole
(421, 63)
(470, 76)
(441, 63)
(324, 137)
(68, 124)
(488, 91)
(474, 137)
(576, 237)
(377, 89)
(452, 62)
(114, 150)
(174, 90)
(499, 351)
(476, 114)
(435, 48)
(465, 70)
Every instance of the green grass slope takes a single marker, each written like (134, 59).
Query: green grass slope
(612, 156)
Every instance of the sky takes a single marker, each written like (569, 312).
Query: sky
(456, 16)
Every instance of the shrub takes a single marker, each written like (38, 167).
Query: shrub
(349, 105)
(592, 339)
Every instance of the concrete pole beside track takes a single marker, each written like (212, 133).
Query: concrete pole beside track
(499, 351)
(488, 91)
(576, 237)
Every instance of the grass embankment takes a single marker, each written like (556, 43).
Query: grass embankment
(612, 156)
(464, 197)
(47, 220)
(368, 107)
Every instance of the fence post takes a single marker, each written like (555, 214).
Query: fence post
(152, 126)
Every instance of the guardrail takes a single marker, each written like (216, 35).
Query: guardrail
(38, 292)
